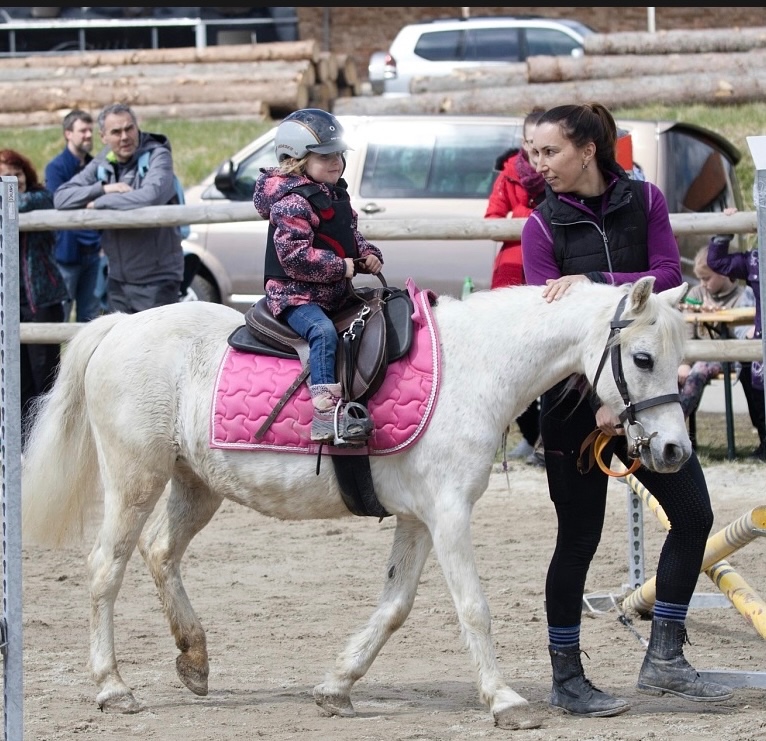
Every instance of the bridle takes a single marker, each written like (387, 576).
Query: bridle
(634, 430)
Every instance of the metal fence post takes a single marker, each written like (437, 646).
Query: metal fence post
(11, 642)
(757, 145)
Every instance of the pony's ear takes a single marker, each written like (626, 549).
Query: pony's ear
(639, 294)
(674, 296)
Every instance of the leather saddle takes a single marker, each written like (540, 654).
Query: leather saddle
(374, 327)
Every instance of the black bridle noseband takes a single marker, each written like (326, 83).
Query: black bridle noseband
(634, 430)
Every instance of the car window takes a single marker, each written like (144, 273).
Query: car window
(492, 45)
(550, 42)
(440, 46)
(249, 170)
(700, 176)
(442, 161)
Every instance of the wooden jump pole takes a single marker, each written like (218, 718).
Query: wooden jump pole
(731, 538)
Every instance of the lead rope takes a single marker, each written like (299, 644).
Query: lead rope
(504, 446)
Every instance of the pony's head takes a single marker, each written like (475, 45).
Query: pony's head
(637, 374)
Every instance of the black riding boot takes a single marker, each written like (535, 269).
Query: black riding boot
(666, 670)
(573, 693)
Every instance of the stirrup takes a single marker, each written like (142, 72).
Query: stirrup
(352, 424)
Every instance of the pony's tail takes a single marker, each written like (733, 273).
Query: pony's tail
(60, 478)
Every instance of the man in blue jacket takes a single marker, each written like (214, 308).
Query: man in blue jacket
(77, 250)
(146, 265)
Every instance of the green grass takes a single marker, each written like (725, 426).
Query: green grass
(200, 146)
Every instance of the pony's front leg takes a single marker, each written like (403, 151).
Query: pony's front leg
(454, 550)
(412, 544)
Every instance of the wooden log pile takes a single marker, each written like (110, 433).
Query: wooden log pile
(709, 67)
(257, 81)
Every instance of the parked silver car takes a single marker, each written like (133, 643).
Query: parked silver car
(438, 47)
(439, 167)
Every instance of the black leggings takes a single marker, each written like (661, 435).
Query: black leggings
(580, 502)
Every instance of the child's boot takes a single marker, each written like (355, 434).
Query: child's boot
(325, 397)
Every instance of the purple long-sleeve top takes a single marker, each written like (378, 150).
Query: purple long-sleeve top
(662, 249)
(737, 266)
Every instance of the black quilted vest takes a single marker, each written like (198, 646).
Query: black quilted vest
(615, 245)
(335, 230)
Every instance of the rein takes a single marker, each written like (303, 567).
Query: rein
(634, 430)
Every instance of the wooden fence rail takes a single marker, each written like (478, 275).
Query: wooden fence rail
(744, 222)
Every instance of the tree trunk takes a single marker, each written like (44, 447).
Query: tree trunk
(251, 110)
(284, 50)
(676, 42)
(280, 95)
(562, 69)
(623, 92)
(465, 79)
(348, 74)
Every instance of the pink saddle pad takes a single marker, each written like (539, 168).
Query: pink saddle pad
(248, 387)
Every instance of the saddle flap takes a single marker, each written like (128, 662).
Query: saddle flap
(362, 357)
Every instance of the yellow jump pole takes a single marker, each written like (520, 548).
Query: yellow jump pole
(740, 594)
(726, 541)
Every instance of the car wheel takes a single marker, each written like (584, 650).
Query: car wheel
(203, 290)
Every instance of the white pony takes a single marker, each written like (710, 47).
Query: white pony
(130, 412)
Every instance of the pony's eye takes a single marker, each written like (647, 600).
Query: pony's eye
(643, 360)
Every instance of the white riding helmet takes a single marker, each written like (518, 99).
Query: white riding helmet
(309, 130)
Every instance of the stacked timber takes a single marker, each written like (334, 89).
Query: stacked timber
(257, 81)
(620, 70)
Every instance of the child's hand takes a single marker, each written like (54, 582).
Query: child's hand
(369, 264)
(730, 210)
(350, 268)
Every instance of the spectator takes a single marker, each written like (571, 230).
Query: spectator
(744, 266)
(42, 290)
(517, 190)
(714, 292)
(145, 265)
(77, 250)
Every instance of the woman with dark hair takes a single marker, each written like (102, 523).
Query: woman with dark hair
(596, 224)
(42, 290)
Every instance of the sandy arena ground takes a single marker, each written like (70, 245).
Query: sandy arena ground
(278, 601)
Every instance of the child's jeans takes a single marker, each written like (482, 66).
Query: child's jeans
(311, 323)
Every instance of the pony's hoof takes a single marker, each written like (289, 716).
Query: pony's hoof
(193, 678)
(517, 718)
(333, 704)
(123, 703)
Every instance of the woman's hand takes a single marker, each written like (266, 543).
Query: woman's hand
(608, 422)
(556, 288)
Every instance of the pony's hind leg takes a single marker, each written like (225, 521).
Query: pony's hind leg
(190, 506)
(127, 506)
(411, 547)
(454, 550)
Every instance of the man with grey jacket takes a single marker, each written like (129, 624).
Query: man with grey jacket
(145, 265)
